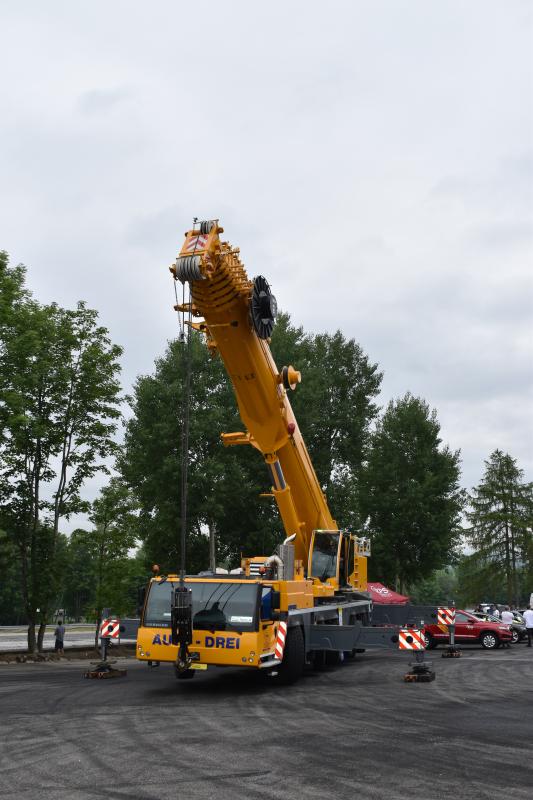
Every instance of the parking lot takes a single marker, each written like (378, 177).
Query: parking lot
(356, 730)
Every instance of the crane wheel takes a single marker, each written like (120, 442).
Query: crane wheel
(292, 666)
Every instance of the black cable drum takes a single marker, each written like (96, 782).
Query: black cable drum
(263, 308)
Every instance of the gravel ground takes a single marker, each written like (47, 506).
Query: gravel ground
(355, 731)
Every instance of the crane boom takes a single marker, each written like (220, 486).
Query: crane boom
(238, 317)
(307, 603)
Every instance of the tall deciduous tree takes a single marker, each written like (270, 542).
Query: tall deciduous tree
(114, 534)
(410, 494)
(11, 606)
(59, 399)
(478, 582)
(224, 484)
(79, 577)
(334, 406)
(501, 522)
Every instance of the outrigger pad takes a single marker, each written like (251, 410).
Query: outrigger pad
(452, 652)
(419, 677)
(103, 669)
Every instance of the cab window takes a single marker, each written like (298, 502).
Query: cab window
(325, 555)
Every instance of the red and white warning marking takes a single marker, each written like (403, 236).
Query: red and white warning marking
(280, 640)
(411, 639)
(196, 243)
(109, 628)
(446, 616)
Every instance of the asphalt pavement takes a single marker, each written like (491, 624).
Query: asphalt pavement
(354, 731)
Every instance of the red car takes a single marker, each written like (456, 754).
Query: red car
(469, 629)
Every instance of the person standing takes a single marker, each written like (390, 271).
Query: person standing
(507, 616)
(507, 619)
(528, 619)
(60, 637)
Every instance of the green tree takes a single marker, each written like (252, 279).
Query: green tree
(478, 583)
(115, 521)
(225, 484)
(123, 578)
(11, 603)
(335, 406)
(501, 520)
(410, 494)
(439, 588)
(79, 578)
(59, 399)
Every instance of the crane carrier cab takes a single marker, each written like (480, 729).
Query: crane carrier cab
(270, 617)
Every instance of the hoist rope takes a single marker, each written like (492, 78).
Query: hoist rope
(186, 341)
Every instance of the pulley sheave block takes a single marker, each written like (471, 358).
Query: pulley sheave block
(263, 308)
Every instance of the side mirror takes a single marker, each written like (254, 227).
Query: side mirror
(141, 594)
(276, 601)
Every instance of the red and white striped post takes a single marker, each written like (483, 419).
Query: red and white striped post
(109, 629)
(414, 639)
(446, 616)
(279, 647)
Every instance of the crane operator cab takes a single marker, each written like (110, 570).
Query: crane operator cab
(339, 558)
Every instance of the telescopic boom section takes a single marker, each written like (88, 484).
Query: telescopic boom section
(238, 317)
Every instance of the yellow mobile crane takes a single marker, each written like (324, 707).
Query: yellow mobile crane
(308, 602)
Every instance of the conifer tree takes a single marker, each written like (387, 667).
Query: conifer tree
(501, 521)
(410, 495)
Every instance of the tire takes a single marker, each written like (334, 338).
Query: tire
(292, 666)
(516, 636)
(431, 644)
(489, 640)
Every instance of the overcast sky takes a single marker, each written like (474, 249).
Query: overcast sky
(373, 159)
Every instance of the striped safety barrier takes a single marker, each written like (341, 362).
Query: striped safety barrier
(411, 639)
(280, 640)
(446, 616)
(110, 629)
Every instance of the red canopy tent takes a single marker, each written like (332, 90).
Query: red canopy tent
(381, 595)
